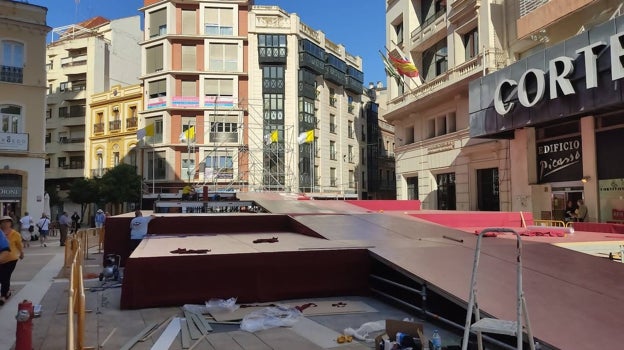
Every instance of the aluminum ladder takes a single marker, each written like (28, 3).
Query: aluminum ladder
(492, 325)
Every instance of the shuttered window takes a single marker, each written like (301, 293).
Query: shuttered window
(219, 87)
(158, 23)
(223, 57)
(188, 22)
(188, 88)
(189, 61)
(218, 21)
(154, 59)
(157, 88)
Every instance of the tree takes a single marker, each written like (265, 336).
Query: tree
(54, 197)
(83, 192)
(121, 184)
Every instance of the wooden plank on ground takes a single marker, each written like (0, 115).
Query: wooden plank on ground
(186, 336)
(194, 331)
(284, 338)
(199, 324)
(168, 335)
(248, 341)
(224, 341)
(140, 335)
(204, 321)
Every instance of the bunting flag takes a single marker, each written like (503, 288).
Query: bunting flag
(306, 137)
(271, 138)
(188, 135)
(146, 131)
(404, 66)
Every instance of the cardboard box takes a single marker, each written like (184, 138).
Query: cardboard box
(394, 326)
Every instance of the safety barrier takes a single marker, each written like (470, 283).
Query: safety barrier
(76, 303)
(552, 223)
(86, 243)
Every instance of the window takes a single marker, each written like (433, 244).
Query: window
(332, 97)
(156, 166)
(157, 88)
(350, 154)
(189, 87)
(351, 179)
(350, 130)
(12, 62)
(188, 22)
(350, 104)
(273, 107)
(224, 132)
(221, 167)
(272, 45)
(471, 44)
(332, 177)
(76, 162)
(62, 162)
(332, 150)
(64, 86)
(223, 57)
(189, 55)
(412, 187)
(158, 130)
(332, 123)
(132, 157)
(488, 190)
(115, 158)
(10, 118)
(307, 118)
(154, 59)
(218, 21)
(398, 33)
(446, 191)
(435, 60)
(187, 171)
(441, 125)
(363, 157)
(273, 78)
(158, 23)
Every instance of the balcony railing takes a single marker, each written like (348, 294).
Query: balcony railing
(114, 125)
(332, 182)
(73, 61)
(11, 74)
(132, 122)
(98, 128)
(423, 32)
(334, 75)
(64, 139)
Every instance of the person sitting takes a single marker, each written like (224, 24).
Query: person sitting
(570, 212)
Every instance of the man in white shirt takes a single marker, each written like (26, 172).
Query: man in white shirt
(138, 229)
(26, 229)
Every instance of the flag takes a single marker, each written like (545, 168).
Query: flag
(271, 138)
(306, 137)
(389, 67)
(188, 135)
(146, 131)
(404, 66)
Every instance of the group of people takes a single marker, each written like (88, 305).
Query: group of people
(575, 212)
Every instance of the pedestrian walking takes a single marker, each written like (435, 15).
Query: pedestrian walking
(64, 224)
(43, 224)
(16, 249)
(27, 227)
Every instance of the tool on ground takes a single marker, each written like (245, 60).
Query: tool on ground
(111, 268)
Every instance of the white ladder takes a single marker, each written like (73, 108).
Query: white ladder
(492, 325)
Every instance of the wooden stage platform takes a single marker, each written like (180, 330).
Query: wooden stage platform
(575, 301)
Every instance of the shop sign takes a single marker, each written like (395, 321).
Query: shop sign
(13, 142)
(441, 147)
(10, 192)
(559, 160)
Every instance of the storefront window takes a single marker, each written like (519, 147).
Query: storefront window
(446, 191)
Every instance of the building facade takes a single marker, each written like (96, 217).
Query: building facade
(230, 88)
(195, 79)
(23, 33)
(515, 108)
(113, 134)
(559, 107)
(306, 124)
(451, 43)
(83, 59)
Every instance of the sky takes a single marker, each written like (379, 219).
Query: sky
(359, 25)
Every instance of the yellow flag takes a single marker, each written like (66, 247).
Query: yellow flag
(306, 137)
(189, 134)
(274, 136)
(149, 130)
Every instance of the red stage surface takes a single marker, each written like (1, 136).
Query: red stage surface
(387, 205)
(598, 227)
(452, 218)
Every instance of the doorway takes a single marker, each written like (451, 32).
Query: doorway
(560, 198)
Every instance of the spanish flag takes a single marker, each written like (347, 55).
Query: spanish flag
(403, 66)
(306, 137)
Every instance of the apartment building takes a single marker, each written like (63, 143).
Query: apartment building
(195, 76)
(230, 87)
(83, 59)
(306, 124)
(23, 31)
(451, 43)
(113, 133)
(559, 107)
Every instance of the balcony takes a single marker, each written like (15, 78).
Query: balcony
(353, 85)
(311, 62)
(98, 128)
(433, 29)
(307, 90)
(114, 125)
(272, 54)
(494, 59)
(73, 61)
(63, 172)
(334, 75)
(132, 123)
(73, 112)
(11, 74)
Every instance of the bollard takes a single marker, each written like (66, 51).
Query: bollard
(23, 332)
